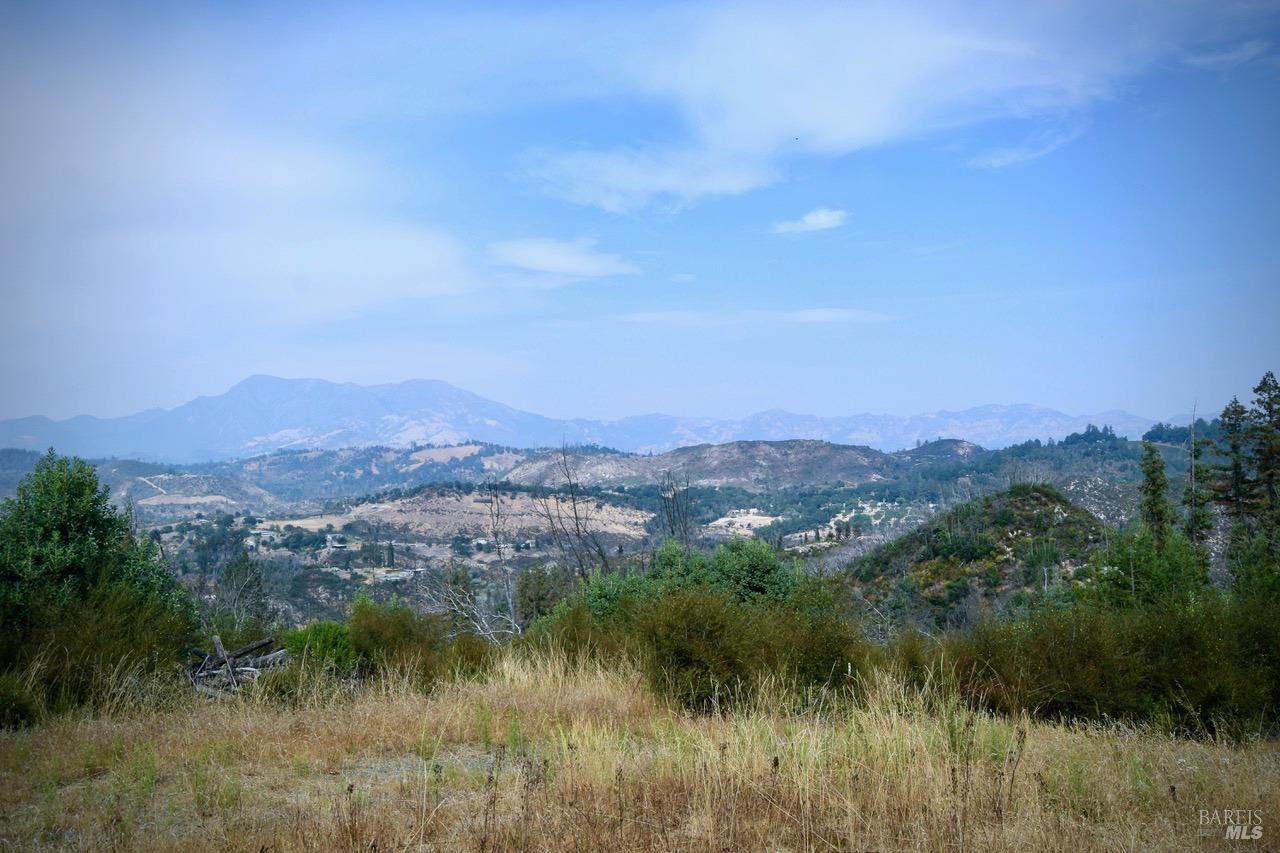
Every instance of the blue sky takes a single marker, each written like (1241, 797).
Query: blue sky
(598, 211)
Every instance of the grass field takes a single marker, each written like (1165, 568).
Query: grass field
(542, 754)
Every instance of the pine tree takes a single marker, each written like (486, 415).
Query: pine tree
(1156, 512)
(1264, 432)
(1233, 486)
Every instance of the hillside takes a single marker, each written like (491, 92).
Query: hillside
(14, 465)
(285, 481)
(802, 484)
(980, 554)
(309, 478)
(264, 414)
(751, 465)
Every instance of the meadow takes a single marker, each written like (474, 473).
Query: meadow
(544, 751)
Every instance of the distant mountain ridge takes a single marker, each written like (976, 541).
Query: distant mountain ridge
(263, 413)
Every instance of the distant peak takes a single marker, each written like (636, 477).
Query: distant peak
(263, 380)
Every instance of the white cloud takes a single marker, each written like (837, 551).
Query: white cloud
(577, 259)
(749, 88)
(622, 180)
(1229, 58)
(821, 219)
(1038, 145)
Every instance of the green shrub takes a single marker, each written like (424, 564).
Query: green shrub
(604, 593)
(1200, 668)
(1134, 570)
(915, 657)
(704, 649)
(468, 655)
(84, 647)
(811, 648)
(393, 636)
(325, 643)
(746, 569)
(539, 589)
(700, 648)
(1255, 620)
(573, 629)
(749, 569)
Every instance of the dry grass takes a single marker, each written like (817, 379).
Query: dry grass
(542, 754)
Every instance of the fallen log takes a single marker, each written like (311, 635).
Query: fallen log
(224, 673)
(224, 660)
(263, 661)
(250, 648)
(223, 656)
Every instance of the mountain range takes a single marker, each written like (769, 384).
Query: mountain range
(264, 414)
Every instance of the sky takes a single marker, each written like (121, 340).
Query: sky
(605, 210)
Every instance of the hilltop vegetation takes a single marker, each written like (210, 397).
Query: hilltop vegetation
(978, 556)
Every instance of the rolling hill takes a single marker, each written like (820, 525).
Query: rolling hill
(977, 555)
(819, 476)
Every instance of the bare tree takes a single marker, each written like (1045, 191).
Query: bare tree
(503, 576)
(677, 506)
(470, 609)
(570, 517)
(486, 608)
(239, 597)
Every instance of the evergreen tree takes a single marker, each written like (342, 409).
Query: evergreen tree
(56, 535)
(1133, 570)
(1156, 512)
(1264, 432)
(78, 591)
(60, 536)
(1233, 486)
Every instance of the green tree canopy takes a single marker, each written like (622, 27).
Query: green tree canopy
(61, 539)
(1156, 511)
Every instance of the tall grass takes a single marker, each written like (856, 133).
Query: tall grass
(550, 751)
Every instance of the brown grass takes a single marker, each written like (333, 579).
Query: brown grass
(542, 754)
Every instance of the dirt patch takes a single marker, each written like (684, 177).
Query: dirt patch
(741, 522)
(186, 500)
(446, 515)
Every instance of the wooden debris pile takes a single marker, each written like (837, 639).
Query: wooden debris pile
(223, 673)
